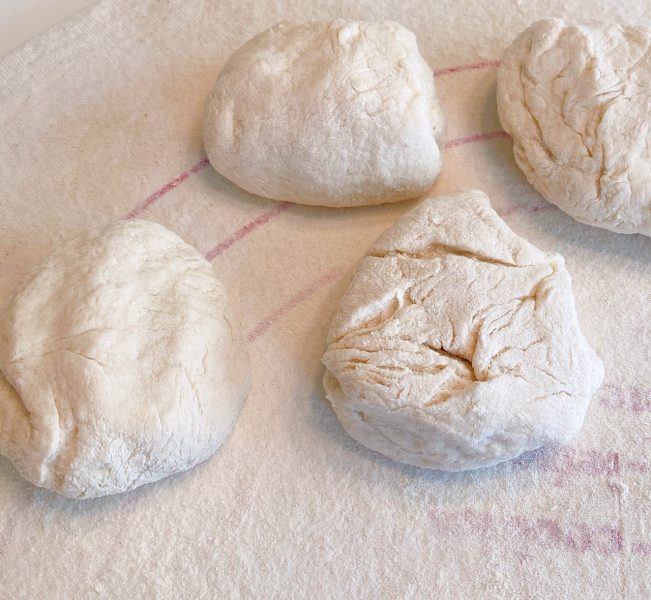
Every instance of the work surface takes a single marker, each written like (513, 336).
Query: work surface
(100, 119)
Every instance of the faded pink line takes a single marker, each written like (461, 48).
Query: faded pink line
(567, 464)
(467, 67)
(168, 187)
(477, 137)
(638, 466)
(641, 548)
(246, 229)
(636, 399)
(527, 531)
(292, 303)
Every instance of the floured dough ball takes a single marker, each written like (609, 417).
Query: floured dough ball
(334, 113)
(577, 101)
(457, 344)
(122, 363)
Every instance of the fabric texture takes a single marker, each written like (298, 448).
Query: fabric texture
(100, 119)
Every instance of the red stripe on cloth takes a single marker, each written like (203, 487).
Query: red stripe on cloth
(477, 137)
(483, 64)
(292, 303)
(246, 229)
(168, 187)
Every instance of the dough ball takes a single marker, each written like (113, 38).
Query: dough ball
(337, 113)
(121, 363)
(577, 101)
(457, 344)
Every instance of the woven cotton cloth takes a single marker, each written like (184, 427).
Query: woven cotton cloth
(100, 119)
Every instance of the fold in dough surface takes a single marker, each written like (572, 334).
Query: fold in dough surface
(577, 101)
(457, 344)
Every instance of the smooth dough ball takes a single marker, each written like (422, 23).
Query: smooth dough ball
(457, 344)
(337, 113)
(577, 101)
(121, 363)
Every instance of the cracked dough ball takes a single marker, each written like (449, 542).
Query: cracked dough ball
(337, 113)
(121, 363)
(577, 101)
(457, 344)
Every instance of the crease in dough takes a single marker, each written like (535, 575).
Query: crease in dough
(486, 361)
(576, 99)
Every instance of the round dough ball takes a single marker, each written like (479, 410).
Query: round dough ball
(577, 101)
(337, 113)
(122, 363)
(457, 344)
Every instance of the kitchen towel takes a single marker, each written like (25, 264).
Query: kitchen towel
(100, 119)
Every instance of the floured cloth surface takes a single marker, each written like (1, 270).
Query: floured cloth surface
(100, 119)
